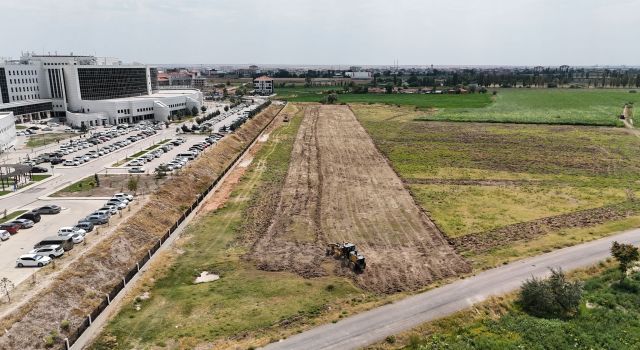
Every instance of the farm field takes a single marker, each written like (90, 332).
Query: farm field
(314, 94)
(246, 306)
(500, 190)
(527, 106)
(500, 324)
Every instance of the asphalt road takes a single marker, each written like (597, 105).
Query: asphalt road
(375, 325)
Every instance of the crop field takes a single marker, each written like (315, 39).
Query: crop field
(496, 188)
(339, 188)
(527, 106)
(314, 94)
(246, 306)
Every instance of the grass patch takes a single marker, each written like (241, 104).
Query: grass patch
(45, 139)
(21, 127)
(244, 300)
(79, 186)
(315, 94)
(12, 215)
(546, 106)
(499, 324)
(537, 171)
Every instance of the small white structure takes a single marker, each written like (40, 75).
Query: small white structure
(7, 131)
(263, 85)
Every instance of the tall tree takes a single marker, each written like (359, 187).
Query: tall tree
(626, 255)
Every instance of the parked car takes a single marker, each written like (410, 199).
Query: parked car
(32, 260)
(97, 219)
(64, 241)
(67, 231)
(4, 235)
(12, 228)
(24, 223)
(136, 170)
(52, 251)
(55, 161)
(71, 163)
(85, 225)
(117, 204)
(35, 217)
(48, 209)
(112, 209)
(38, 170)
(128, 197)
(77, 238)
(105, 212)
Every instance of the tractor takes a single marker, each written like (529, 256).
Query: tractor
(348, 253)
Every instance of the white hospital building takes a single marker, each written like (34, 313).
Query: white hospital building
(87, 90)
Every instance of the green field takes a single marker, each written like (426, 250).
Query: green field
(609, 318)
(245, 306)
(314, 94)
(530, 106)
(474, 178)
(11, 216)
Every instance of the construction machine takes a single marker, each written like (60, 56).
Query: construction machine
(348, 253)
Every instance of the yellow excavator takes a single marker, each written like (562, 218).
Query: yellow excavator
(348, 253)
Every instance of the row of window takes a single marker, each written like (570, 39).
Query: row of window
(124, 111)
(23, 72)
(147, 109)
(177, 105)
(57, 64)
(25, 97)
(26, 88)
(24, 81)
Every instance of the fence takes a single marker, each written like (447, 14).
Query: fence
(69, 341)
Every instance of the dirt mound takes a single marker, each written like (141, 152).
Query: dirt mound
(483, 241)
(81, 287)
(340, 188)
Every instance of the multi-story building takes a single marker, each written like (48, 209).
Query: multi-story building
(263, 85)
(7, 131)
(86, 90)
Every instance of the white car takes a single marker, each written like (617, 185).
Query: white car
(118, 204)
(126, 196)
(71, 163)
(4, 235)
(32, 260)
(52, 251)
(112, 209)
(66, 231)
(76, 238)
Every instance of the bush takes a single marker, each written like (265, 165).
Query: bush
(551, 297)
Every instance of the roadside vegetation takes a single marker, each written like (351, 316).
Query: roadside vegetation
(103, 185)
(595, 308)
(11, 216)
(246, 305)
(501, 190)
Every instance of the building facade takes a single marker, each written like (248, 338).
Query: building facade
(7, 131)
(263, 85)
(86, 90)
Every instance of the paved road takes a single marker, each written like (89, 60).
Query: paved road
(375, 325)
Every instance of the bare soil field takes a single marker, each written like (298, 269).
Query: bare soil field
(340, 188)
(59, 310)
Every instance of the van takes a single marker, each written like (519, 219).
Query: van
(65, 242)
(189, 155)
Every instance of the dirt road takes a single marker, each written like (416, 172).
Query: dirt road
(340, 188)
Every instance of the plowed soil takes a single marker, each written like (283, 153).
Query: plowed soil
(340, 188)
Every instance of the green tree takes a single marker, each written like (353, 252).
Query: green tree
(132, 184)
(626, 255)
(551, 297)
(161, 171)
(95, 176)
(388, 88)
(226, 108)
(194, 110)
(330, 99)
(203, 108)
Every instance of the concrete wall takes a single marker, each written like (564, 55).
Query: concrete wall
(7, 131)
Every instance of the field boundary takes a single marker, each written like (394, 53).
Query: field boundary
(515, 121)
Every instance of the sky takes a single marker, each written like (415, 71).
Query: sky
(329, 32)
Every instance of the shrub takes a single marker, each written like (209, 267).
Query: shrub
(551, 297)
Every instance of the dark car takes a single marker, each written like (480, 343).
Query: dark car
(48, 209)
(38, 169)
(55, 161)
(35, 217)
(97, 219)
(85, 225)
(12, 228)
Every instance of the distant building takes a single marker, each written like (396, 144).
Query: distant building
(7, 131)
(86, 90)
(263, 85)
(358, 75)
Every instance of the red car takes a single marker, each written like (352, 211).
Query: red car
(12, 228)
